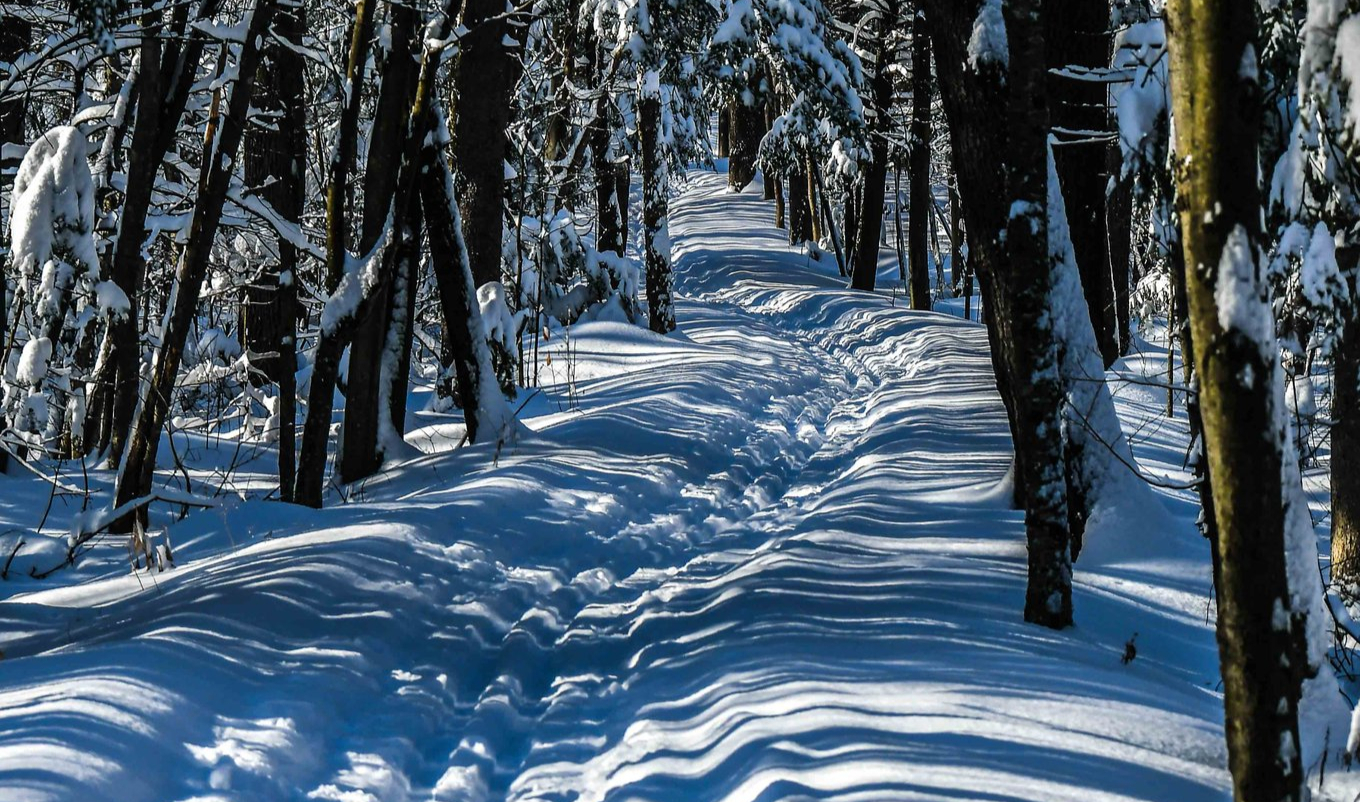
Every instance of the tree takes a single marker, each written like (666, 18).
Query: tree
(219, 150)
(485, 76)
(1048, 596)
(1261, 618)
(370, 430)
(918, 214)
(883, 19)
(275, 161)
(14, 36)
(1078, 55)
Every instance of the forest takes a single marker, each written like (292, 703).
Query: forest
(671, 400)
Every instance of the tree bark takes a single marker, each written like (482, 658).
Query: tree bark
(311, 469)
(1216, 106)
(362, 448)
(748, 127)
(725, 131)
(799, 215)
(1346, 449)
(1119, 238)
(219, 151)
(918, 181)
(457, 296)
(1078, 40)
(864, 271)
(15, 33)
(655, 226)
(484, 82)
(1048, 595)
(168, 73)
(275, 159)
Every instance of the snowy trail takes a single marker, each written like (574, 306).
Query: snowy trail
(767, 558)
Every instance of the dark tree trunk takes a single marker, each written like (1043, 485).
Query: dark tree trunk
(168, 74)
(484, 82)
(815, 202)
(660, 301)
(864, 267)
(1346, 450)
(457, 296)
(275, 159)
(1260, 633)
(972, 101)
(15, 33)
(1118, 226)
(800, 216)
(219, 151)
(956, 268)
(851, 218)
(1048, 596)
(724, 131)
(396, 376)
(610, 209)
(748, 127)
(1078, 39)
(311, 469)
(918, 214)
(361, 453)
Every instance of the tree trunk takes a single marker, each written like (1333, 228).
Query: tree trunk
(311, 469)
(275, 159)
(219, 151)
(656, 237)
(1216, 109)
(870, 229)
(168, 73)
(851, 220)
(1346, 450)
(918, 212)
(457, 296)
(1078, 38)
(362, 449)
(396, 375)
(748, 127)
(724, 131)
(484, 82)
(799, 215)
(15, 33)
(610, 209)
(816, 222)
(1119, 238)
(956, 269)
(1048, 596)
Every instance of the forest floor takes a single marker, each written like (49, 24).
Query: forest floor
(768, 557)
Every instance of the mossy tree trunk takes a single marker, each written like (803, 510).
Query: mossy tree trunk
(1216, 106)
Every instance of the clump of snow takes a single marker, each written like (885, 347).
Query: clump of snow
(112, 301)
(33, 361)
(1348, 64)
(216, 346)
(1239, 294)
(52, 208)
(361, 277)
(498, 325)
(987, 45)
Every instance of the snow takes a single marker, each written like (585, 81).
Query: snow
(52, 206)
(497, 324)
(766, 557)
(987, 45)
(1238, 293)
(1348, 65)
(33, 361)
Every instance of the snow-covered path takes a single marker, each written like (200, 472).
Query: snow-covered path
(766, 558)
